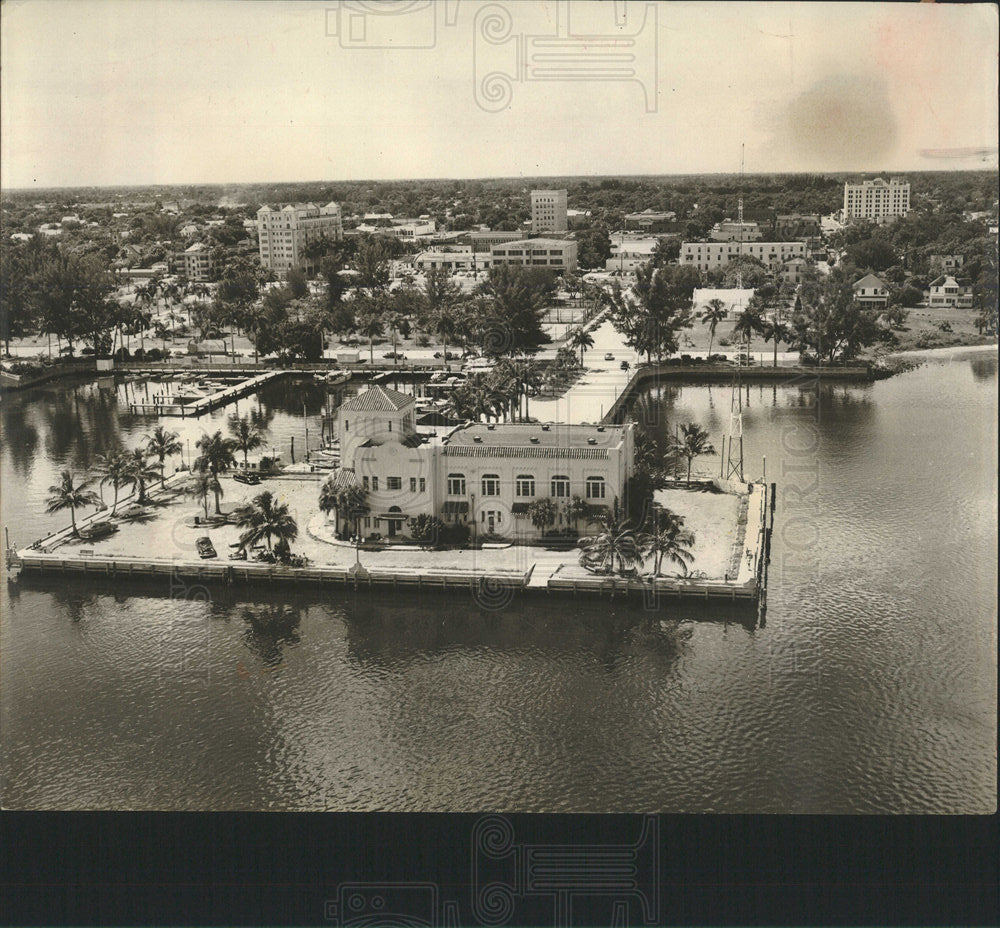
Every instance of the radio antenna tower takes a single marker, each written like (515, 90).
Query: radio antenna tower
(734, 459)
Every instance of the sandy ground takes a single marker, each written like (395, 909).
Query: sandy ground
(168, 530)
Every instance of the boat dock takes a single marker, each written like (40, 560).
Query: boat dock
(171, 406)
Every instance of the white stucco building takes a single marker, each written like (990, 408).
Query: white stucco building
(876, 200)
(284, 233)
(548, 211)
(708, 255)
(484, 476)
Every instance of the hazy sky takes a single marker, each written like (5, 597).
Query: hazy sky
(189, 91)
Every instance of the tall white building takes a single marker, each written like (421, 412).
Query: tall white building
(285, 232)
(876, 200)
(548, 211)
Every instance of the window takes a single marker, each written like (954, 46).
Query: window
(390, 425)
(394, 483)
(525, 485)
(491, 485)
(595, 488)
(375, 484)
(456, 484)
(560, 486)
(423, 484)
(413, 484)
(364, 481)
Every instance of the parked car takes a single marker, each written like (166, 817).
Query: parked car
(205, 547)
(624, 365)
(247, 477)
(609, 357)
(97, 530)
(395, 356)
(447, 355)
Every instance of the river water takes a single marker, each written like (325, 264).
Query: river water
(870, 687)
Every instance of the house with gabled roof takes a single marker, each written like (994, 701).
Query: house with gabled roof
(871, 291)
(483, 475)
(950, 291)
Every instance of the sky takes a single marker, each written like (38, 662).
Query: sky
(119, 92)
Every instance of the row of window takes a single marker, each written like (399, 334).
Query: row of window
(524, 486)
(396, 483)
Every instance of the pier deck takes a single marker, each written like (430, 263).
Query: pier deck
(210, 402)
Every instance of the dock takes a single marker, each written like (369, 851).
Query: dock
(205, 404)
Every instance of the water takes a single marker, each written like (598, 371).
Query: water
(870, 688)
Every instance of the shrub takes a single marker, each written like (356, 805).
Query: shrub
(423, 341)
(455, 533)
(427, 530)
(724, 342)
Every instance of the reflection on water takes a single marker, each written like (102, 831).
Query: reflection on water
(870, 689)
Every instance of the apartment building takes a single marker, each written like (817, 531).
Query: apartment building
(284, 233)
(197, 262)
(553, 253)
(707, 256)
(733, 231)
(548, 211)
(876, 200)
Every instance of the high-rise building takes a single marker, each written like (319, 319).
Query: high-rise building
(876, 200)
(548, 211)
(284, 233)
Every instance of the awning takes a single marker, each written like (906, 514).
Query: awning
(452, 506)
(595, 512)
(392, 515)
(520, 509)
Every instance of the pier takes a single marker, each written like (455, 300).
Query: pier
(206, 404)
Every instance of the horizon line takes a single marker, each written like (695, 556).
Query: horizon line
(498, 177)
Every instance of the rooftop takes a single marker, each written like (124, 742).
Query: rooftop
(378, 399)
(534, 440)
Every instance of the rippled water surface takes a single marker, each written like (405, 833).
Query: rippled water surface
(871, 686)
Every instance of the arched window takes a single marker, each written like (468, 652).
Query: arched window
(491, 484)
(456, 484)
(560, 486)
(595, 488)
(525, 485)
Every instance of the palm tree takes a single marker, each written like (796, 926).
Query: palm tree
(113, 468)
(69, 495)
(444, 324)
(370, 325)
(582, 339)
(216, 457)
(693, 443)
(774, 330)
(749, 322)
(714, 312)
(161, 444)
(543, 513)
(265, 517)
(671, 541)
(140, 471)
(246, 435)
(616, 540)
(200, 484)
(352, 501)
(576, 509)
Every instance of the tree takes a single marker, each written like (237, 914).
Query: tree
(296, 282)
(160, 445)
(370, 324)
(140, 471)
(265, 517)
(350, 500)
(427, 530)
(713, 313)
(576, 509)
(542, 513)
(660, 308)
(246, 436)
(593, 247)
(202, 482)
(694, 443)
(616, 541)
(670, 542)
(830, 322)
(67, 494)
(113, 468)
(582, 339)
(509, 320)
(216, 457)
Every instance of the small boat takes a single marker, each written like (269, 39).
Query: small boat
(205, 547)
